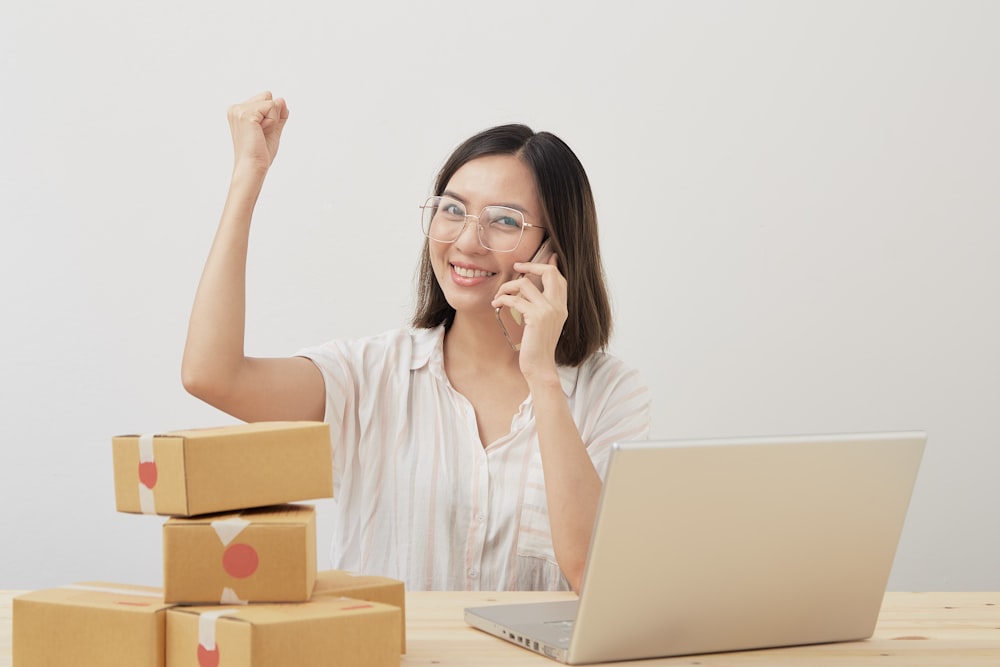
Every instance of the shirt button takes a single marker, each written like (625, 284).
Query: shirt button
(473, 573)
(480, 518)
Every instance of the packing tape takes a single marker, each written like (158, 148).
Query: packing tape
(147, 502)
(206, 627)
(229, 596)
(110, 589)
(228, 529)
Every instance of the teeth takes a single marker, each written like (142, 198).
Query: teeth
(471, 273)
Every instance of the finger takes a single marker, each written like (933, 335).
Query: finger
(528, 288)
(523, 290)
(275, 115)
(518, 289)
(545, 276)
(512, 301)
(522, 283)
(272, 110)
(512, 286)
(254, 112)
(536, 268)
(509, 290)
(282, 107)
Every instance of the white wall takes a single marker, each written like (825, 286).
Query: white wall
(798, 201)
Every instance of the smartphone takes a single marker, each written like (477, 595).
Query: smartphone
(514, 331)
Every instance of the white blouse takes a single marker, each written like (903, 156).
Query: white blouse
(418, 497)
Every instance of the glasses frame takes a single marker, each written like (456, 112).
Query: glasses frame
(479, 225)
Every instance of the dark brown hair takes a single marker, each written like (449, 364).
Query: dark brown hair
(571, 218)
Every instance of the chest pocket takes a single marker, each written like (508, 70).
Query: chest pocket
(534, 536)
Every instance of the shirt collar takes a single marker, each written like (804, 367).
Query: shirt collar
(428, 350)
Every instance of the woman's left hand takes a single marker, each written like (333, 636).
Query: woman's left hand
(544, 313)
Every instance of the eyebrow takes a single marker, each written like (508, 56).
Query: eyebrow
(455, 195)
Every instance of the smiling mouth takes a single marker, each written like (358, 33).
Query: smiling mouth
(471, 273)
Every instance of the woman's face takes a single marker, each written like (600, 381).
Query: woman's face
(469, 274)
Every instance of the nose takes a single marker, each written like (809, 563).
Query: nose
(468, 241)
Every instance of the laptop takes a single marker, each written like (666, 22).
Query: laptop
(705, 546)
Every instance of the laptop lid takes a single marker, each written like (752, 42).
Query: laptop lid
(703, 546)
(716, 545)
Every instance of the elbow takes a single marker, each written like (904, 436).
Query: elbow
(573, 572)
(192, 381)
(198, 382)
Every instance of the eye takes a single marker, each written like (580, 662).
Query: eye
(505, 219)
(452, 208)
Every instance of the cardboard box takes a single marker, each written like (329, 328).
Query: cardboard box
(93, 624)
(341, 583)
(323, 632)
(186, 473)
(258, 555)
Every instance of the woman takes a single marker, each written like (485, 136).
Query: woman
(468, 451)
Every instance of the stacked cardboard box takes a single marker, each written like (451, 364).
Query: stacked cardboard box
(94, 624)
(188, 473)
(237, 546)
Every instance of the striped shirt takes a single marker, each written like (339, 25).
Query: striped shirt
(418, 497)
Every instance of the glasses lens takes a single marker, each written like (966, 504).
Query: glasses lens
(443, 218)
(501, 228)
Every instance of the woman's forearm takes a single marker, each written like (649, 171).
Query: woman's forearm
(214, 350)
(572, 485)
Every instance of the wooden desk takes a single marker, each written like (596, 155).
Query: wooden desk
(914, 629)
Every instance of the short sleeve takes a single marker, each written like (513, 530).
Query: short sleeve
(611, 404)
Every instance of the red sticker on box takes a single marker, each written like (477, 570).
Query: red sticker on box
(240, 560)
(208, 657)
(147, 474)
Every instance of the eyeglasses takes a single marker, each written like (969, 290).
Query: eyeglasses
(500, 227)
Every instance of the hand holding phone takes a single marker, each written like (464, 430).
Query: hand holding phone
(541, 255)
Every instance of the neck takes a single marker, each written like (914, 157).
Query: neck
(478, 341)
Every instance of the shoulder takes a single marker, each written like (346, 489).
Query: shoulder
(611, 403)
(604, 369)
(604, 379)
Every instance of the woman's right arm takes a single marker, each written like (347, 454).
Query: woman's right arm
(215, 367)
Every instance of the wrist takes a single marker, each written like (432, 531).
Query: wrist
(246, 181)
(249, 171)
(544, 381)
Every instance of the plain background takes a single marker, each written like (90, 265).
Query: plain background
(798, 200)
